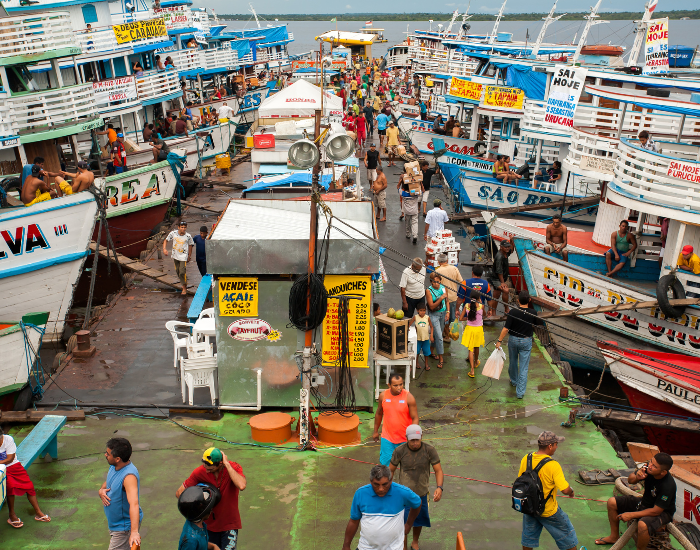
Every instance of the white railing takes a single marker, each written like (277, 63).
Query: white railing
(401, 60)
(122, 18)
(220, 57)
(35, 34)
(291, 35)
(98, 40)
(182, 17)
(185, 60)
(50, 109)
(247, 59)
(7, 127)
(666, 179)
(156, 84)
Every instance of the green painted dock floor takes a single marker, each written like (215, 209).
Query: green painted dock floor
(301, 500)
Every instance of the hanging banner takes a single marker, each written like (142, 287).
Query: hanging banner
(359, 290)
(139, 30)
(656, 49)
(238, 296)
(564, 93)
(336, 64)
(115, 89)
(175, 17)
(465, 89)
(503, 99)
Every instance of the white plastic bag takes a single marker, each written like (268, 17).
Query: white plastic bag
(494, 365)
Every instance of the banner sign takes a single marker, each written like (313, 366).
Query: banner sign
(238, 296)
(503, 99)
(175, 17)
(684, 171)
(336, 64)
(564, 93)
(115, 89)
(656, 50)
(359, 290)
(465, 89)
(598, 164)
(140, 30)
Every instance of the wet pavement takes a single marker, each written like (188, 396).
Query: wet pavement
(300, 500)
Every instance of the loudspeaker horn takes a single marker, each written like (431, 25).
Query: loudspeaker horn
(339, 146)
(303, 153)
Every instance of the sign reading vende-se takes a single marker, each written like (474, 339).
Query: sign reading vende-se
(564, 93)
(238, 296)
(684, 171)
(138, 30)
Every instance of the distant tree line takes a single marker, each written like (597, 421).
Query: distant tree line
(618, 15)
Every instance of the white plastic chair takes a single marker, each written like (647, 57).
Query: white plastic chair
(192, 362)
(199, 373)
(199, 349)
(180, 338)
(209, 312)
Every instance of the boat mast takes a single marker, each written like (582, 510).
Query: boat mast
(591, 20)
(547, 20)
(641, 32)
(462, 30)
(449, 27)
(498, 20)
(252, 9)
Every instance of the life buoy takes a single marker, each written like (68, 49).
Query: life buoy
(670, 284)
(477, 148)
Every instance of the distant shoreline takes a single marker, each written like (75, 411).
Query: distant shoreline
(616, 16)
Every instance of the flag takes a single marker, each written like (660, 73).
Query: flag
(334, 20)
(368, 22)
(652, 5)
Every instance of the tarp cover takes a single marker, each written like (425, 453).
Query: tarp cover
(240, 46)
(268, 34)
(300, 99)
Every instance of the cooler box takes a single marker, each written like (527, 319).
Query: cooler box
(264, 141)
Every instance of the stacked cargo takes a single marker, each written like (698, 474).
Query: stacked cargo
(442, 243)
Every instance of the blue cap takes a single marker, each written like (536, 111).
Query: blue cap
(120, 135)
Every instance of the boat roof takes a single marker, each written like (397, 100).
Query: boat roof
(356, 38)
(675, 102)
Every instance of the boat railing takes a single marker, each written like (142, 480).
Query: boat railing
(220, 57)
(247, 59)
(690, 281)
(98, 40)
(130, 17)
(36, 34)
(400, 60)
(186, 60)
(157, 84)
(670, 178)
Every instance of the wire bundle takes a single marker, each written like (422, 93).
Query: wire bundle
(345, 393)
(307, 288)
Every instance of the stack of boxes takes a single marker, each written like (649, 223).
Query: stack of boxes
(413, 177)
(442, 243)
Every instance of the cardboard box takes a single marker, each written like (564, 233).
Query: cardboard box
(392, 337)
(449, 240)
(431, 249)
(412, 168)
(443, 234)
(453, 261)
(438, 241)
(414, 188)
(453, 255)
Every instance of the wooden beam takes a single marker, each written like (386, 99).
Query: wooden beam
(35, 416)
(588, 201)
(195, 205)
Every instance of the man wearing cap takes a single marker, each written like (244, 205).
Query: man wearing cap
(82, 179)
(688, 260)
(415, 458)
(396, 411)
(412, 287)
(500, 277)
(119, 154)
(554, 519)
(372, 160)
(228, 478)
(410, 207)
(435, 220)
(182, 251)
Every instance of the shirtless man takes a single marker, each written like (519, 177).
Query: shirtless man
(82, 179)
(34, 183)
(556, 238)
(379, 193)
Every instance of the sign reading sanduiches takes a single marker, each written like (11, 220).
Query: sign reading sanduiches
(656, 49)
(140, 30)
(564, 94)
(249, 330)
(684, 171)
(503, 98)
(238, 296)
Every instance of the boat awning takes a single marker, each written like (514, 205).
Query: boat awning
(455, 99)
(344, 37)
(296, 179)
(509, 49)
(154, 46)
(675, 103)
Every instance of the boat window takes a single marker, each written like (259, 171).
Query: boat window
(15, 80)
(89, 14)
(585, 96)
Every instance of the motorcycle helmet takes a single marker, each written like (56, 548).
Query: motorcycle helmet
(196, 503)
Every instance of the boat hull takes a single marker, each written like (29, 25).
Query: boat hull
(423, 140)
(14, 368)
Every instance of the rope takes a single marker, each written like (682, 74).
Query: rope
(33, 365)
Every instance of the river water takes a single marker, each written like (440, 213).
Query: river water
(616, 32)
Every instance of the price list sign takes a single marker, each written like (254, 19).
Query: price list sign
(359, 290)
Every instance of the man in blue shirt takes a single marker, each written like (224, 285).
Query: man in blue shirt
(476, 282)
(382, 121)
(423, 110)
(378, 508)
(200, 254)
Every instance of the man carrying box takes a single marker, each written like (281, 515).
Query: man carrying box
(411, 200)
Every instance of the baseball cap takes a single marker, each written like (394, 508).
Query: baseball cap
(687, 249)
(35, 169)
(82, 164)
(120, 135)
(214, 456)
(549, 438)
(414, 431)
(437, 202)
(505, 243)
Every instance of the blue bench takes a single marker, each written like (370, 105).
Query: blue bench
(41, 440)
(202, 296)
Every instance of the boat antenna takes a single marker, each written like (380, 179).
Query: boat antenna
(591, 19)
(449, 27)
(252, 9)
(465, 27)
(498, 20)
(641, 32)
(547, 20)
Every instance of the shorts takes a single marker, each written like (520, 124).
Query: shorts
(623, 259)
(18, 482)
(393, 149)
(423, 346)
(387, 450)
(379, 199)
(382, 132)
(558, 525)
(162, 155)
(119, 540)
(628, 503)
(371, 174)
(41, 197)
(495, 284)
(118, 169)
(225, 540)
(549, 249)
(425, 195)
(423, 517)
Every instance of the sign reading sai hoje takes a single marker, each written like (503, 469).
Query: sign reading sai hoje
(656, 49)
(564, 93)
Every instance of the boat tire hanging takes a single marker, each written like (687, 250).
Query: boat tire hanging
(670, 284)
(478, 148)
(691, 532)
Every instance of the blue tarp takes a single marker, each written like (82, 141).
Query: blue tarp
(241, 46)
(314, 70)
(268, 34)
(302, 179)
(509, 50)
(523, 77)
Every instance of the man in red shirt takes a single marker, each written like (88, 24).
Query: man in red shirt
(228, 478)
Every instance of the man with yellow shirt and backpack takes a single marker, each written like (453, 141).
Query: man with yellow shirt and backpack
(535, 496)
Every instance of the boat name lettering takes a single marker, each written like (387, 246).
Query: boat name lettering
(691, 506)
(455, 148)
(677, 391)
(512, 196)
(130, 190)
(684, 171)
(26, 239)
(466, 163)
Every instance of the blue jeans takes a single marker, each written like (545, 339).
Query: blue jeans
(558, 525)
(453, 310)
(225, 540)
(519, 350)
(437, 318)
(387, 450)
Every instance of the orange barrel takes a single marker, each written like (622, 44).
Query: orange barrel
(272, 427)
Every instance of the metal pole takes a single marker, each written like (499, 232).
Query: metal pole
(680, 128)
(538, 159)
(566, 189)
(622, 120)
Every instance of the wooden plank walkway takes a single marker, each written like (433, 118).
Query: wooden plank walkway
(589, 201)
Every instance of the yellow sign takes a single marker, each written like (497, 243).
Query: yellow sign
(238, 296)
(504, 99)
(139, 30)
(465, 89)
(359, 290)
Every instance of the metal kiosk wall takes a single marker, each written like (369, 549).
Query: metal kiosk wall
(255, 252)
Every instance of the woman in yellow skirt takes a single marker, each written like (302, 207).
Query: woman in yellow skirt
(473, 337)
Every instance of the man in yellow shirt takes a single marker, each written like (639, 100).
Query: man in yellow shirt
(554, 519)
(688, 261)
(392, 142)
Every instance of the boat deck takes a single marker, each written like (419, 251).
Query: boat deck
(298, 500)
(580, 239)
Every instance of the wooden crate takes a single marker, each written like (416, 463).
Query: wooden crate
(392, 337)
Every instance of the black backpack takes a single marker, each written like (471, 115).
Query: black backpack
(528, 494)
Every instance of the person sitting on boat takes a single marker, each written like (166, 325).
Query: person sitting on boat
(550, 175)
(82, 179)
(502, 171)
(189, 116)
(35, 190)
(160, 149)
(181, 126)
(225, 111)
(623, 243)
(169, 64)
(654, 510)
(688, 260)
(557, 238)
(449, 125)
(438, 128)
(160, 66)
(137, 69)
(645, 142)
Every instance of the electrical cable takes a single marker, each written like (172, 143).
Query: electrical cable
(307, 289)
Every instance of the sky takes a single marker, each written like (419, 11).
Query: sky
(408, 6)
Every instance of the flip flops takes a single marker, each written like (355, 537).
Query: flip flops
(16, 524)
(44, 518)
(601, 542)
(470, 375)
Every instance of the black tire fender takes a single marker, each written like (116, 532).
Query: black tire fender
(478, 148)
(670, 283)
(691, 532)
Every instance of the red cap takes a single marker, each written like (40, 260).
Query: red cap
(687, 249)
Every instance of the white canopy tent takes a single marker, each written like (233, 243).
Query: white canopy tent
(300, 100)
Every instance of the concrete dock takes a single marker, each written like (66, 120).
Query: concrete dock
(296, 500)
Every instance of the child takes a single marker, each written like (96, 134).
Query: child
(196, 504)
(200, 253)
(424, 333)
(473, 337)
(376, 309)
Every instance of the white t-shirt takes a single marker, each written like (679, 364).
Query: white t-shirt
(413, 282)
(8, 447)
(180, 245)
(225, 112)
(436, 219)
